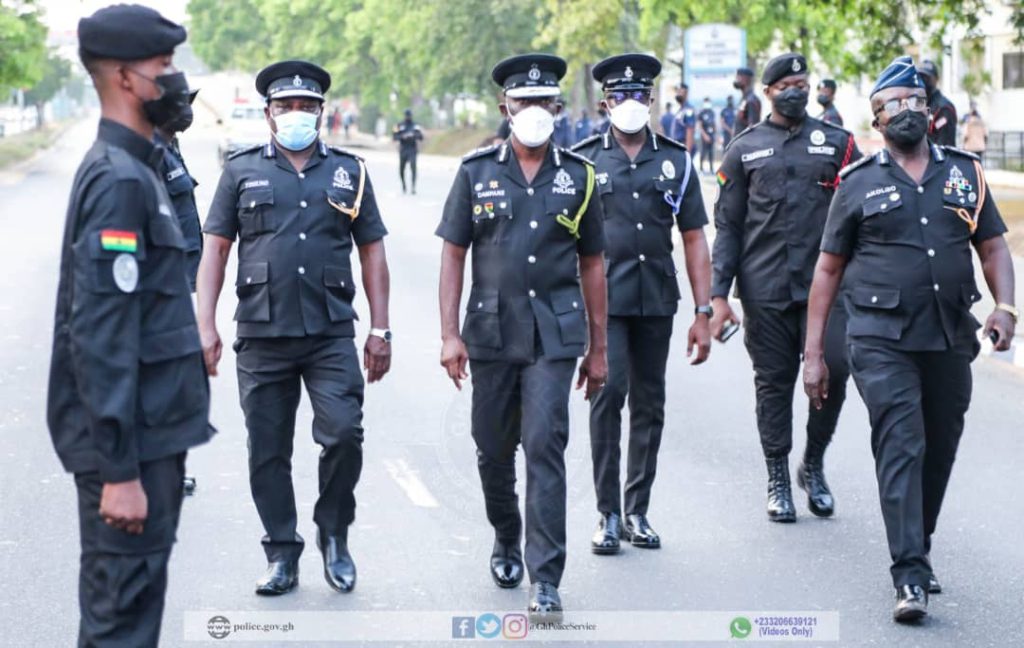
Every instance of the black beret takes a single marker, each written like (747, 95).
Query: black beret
(627, 72)
(928, 68)
(530, 75)
(128, 33)
(293, 79)
(745, 71)
(782, 66)
(827, 83)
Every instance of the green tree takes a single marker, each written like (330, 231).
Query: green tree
(228, 34)
(56, 73)
(22, 45)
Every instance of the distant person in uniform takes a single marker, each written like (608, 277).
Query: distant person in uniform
(749, 111)
(942, 113)
(179, 182)
(706, 124)
(602, 124)
(297, 207)
(408, 135)
(647, 186)
(826, 99)
(975, 133)
(128, 395)
(665, 122)
(775, 184)
(583, 127)
(537, 302)
(728, 119)
(898, 237)
(564, 135)
(686, 118)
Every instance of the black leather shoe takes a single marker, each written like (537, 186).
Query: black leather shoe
(606, 537)
(545, 604)
(911, 604)
(507, 564)
(282, 577)
(640, 533)
(934, 586)
(810, 476)
(780, 494)
(339, 568)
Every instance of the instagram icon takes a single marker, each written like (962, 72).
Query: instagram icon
(515, 626)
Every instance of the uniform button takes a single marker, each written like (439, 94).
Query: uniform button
(931, 253)
(936, 287)
(252, 205)
(884, 205)
(639, 226)
(920, 190)
(575, 305)
(924, 220)
(532, 259)
(643, 258)
(302, 204)
(533, 224)
(302, 236)
(479, 304)
(874, 299)
(248, 280)
(302, 176)
(632, 166)
(636, 195)
(302, 270)
(529, 191)
(532, 293)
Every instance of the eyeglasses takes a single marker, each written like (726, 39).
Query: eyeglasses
(894, 107)
(618, 96)
(310, 107)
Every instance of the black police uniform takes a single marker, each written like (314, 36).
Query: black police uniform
(748, 113)
(128, 393)
(775, 187)
(643, 199)
(295, 323)
(831, 116)
(706, 117)
(181, 188)
(942, 119)
(909, 290)
(525, 326)
(408, 135)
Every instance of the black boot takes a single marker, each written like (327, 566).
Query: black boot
(282, 576)
(339, 568)
(507, 563)
(810, 476)
(606, 538)
(545, 603)
(780, 495)
(911, 604)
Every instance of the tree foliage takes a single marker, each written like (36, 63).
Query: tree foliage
(22, 45)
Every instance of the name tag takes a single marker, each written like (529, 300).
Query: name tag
(757, 155)
(256, 183)
(879, 191)
(821, 150)
(177, 173)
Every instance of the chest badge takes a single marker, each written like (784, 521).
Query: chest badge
(342, 179)
(478, 186)
(126, 273)
(817, 137)
(602, 178)
(493, 184)
(668, 169)
(563, 184)
(959, 183)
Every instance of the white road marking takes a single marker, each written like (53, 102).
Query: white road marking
(409, 481)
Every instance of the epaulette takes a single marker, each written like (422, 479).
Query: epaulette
(248, 149)
(343, 151)
(585, 142)
(959, 151)
(849, 168)
(121, 163)
(672, 142)
(835, 127)
(480, 152)
(739, 135)
(578, 157)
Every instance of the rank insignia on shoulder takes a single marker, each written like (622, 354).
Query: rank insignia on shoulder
(119, 241)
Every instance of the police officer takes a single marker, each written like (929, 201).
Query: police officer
(297, 206)
(728, 118)
(749, 111)
(530, 212)
(686, 118)
(647, 185)
(408, 135)
(706, 122)
(826, 99)
(180, 183)
(775, 185)
(128, 395)
(900, 230)
(941, 111)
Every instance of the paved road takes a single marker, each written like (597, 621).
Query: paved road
(421, 539)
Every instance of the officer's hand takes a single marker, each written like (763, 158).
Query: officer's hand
(700, 337)
(1002, 323)
(376, 358)
(212, 348)
(593, 372)
(123, 506)
(816, 379)
(723, 315)
(454, 357)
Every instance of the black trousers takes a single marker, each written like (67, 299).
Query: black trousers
(775, 342)
(515, 403)
(407, 158)
(122, 578)
(269, 374)
(637, 356)
(916, 402)
(707, 153)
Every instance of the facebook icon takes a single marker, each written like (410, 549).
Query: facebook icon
(463, 627)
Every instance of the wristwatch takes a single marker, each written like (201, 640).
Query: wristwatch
(705, 310)
(384, 334)
(1014, 313)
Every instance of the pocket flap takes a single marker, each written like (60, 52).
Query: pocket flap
(670, 267)
(341, 197)
(604, 183)
(883, 203)
(167, 345)
(482, 300)
(337, 277)
(252, 198)
(970, 293)
(871, 297)
(488, 209)
(667, 186)
(566, 301)
(252, 274)
(165, 232)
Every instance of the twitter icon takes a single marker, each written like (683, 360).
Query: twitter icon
(488, 626)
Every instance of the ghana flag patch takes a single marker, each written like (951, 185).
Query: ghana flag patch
(119, 241)
(721, 178)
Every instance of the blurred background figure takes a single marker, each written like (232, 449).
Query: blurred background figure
(975, 135)
(408, 135)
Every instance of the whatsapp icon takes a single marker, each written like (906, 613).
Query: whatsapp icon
(740, 628)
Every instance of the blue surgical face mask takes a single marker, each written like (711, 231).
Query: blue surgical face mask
(296, 129)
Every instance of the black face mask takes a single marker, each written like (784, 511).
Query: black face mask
(906, 129)
(173, 101)
(680, 99)
(184, 120)
(824, 100)
(791, 103)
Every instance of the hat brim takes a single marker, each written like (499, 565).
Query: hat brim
(298, 92)
(627, 86)
(533, 91)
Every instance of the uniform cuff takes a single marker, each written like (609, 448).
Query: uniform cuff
(111, 473)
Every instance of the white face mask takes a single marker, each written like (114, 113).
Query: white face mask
(296, 130)
(630, 116)
(533, 126)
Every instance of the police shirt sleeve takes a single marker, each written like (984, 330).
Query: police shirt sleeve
(108, 256)
(222, 220)
(990, 221)
(369, 226)
(591, 239)
(692, 214)
(840, 234)
(730, 218)
(457, 219)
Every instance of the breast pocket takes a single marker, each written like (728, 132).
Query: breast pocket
(572, 322)
(959, 209)
(164, 269)
(253, 289)
(172, 382)
(483, 323)
(339, 292)
(875, 313)
(490, 219)
(605, 187)
(767, 180)
(255, 212)
(883, 221)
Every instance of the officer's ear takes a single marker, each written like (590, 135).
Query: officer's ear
(503, 109)
(270, 120)
(604, 104)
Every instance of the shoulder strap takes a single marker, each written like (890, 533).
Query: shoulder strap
(573, 225)
(353, 212)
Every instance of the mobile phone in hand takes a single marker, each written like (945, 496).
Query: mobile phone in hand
(729, 330)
